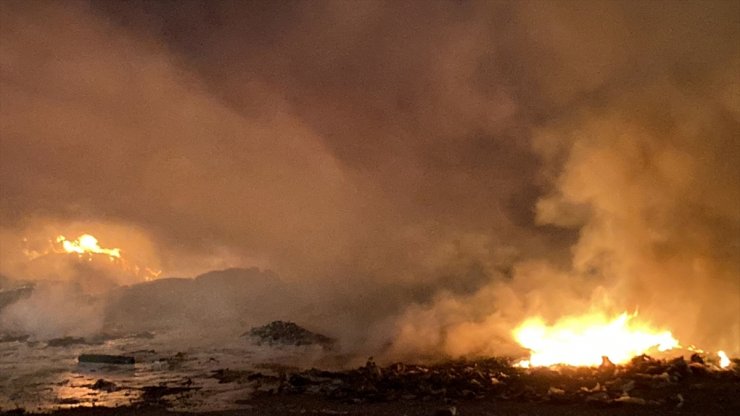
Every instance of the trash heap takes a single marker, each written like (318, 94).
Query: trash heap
(288, 333)
(643, 381)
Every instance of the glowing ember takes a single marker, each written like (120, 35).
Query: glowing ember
(87, 244)
(724, 360)
(584, 340)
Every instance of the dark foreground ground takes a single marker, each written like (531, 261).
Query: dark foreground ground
(489, 387)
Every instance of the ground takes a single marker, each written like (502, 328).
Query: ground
(492, 387)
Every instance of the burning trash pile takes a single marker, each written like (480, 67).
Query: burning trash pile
(288, 333)
(643, 381)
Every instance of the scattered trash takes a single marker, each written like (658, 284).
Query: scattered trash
(625, 398)
(152, 394)
(106, 359)
(493, 378)
(554, 391)
(66, 341)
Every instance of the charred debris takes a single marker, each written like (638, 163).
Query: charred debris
(645, 381)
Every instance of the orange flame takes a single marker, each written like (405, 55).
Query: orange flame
(87, 244)
(584, 340)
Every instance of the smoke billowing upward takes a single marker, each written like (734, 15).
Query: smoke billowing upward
(464, 165)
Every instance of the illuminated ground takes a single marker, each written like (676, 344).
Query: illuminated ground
(488, 387)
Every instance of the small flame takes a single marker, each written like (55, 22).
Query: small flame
(724, 360)
(585, 340)
(87, 244)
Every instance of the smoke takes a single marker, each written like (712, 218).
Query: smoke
(55, 310)
(661, 225)
(425, 175)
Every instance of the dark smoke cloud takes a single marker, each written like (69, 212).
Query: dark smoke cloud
(463, 164)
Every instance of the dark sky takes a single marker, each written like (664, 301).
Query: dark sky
(478, 160)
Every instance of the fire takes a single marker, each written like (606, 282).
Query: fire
(724, 360)
(584, 340)
(87, 244)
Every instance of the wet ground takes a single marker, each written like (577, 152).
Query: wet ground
(241, 378)
(46, 376)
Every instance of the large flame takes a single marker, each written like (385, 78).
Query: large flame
(585, 340)
(87, 244)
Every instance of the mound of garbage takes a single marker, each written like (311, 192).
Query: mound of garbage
(288, 333)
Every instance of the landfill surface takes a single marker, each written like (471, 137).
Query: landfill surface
(263, 375)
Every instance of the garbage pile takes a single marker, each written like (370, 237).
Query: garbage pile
(288, 333)
(643, 381)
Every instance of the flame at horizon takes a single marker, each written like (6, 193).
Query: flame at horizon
(87, 244)
(585, 340)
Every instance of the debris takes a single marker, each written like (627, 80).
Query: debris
(155, 393)
(288, 333)
(696, 358)
(104, 385)
(229, 376)
(680, 399)
(606, 363)
(554, 391)
(68, 400)
(106, 359)
(628, 387)
(66, 341)
(175, 361)
(600, 397)
(625, 398)
(495, 379)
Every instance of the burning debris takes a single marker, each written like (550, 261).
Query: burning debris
(288, 333)
(590, 339)
(86, 244)
(87, 247)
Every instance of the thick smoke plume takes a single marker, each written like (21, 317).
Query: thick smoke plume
(424, 174)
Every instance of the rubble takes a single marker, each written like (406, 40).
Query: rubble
(644, 381)
(154, 394)
(104, 385)
(288, 333)
(67, 341)
(105, 359)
